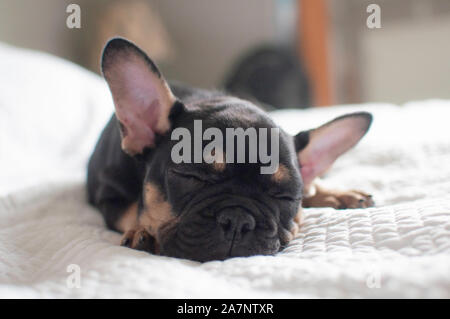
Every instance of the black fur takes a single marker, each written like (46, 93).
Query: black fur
(115, 180)
(205, 202)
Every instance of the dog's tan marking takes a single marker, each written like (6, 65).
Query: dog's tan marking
(297, 222)
(217, 159)
(290, 234)
(128, 220)
(219, 166)
(157, 211)
(281, 174)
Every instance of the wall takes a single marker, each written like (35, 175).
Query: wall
(407, 61)
(207, 34)
(408, 58)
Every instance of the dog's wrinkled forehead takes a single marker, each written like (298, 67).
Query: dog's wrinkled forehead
(230, 112)
(251, 144)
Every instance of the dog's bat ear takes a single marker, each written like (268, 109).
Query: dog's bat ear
(142, 98)
(317, 149)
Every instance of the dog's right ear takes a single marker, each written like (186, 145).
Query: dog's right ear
(317, 149)
(142, 98)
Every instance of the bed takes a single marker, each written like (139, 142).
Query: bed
(54, 245)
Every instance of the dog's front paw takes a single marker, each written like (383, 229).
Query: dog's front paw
(339, 199)
(354, 199)
(139, 239)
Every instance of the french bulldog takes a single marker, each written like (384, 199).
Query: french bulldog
(219, 206)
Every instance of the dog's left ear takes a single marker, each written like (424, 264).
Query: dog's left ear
(142, 98)
(317, 149)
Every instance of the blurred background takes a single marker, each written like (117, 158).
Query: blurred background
(313, 52)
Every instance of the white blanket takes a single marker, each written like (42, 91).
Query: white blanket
(51, 113)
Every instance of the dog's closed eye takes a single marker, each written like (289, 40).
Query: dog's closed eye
(188, 175)
(285, 197)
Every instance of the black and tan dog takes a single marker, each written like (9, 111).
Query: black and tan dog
(204, 211)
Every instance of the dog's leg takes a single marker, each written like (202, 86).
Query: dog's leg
(323, 197)
(135, 235)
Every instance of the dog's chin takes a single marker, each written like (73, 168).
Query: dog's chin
(216, 250)
(214, 255)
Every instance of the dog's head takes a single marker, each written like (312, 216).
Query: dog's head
(221, 179)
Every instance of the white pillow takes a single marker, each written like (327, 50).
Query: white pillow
(51, 113)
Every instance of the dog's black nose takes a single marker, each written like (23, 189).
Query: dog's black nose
(235, 223)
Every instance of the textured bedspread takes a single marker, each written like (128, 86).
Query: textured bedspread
(51, 113)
